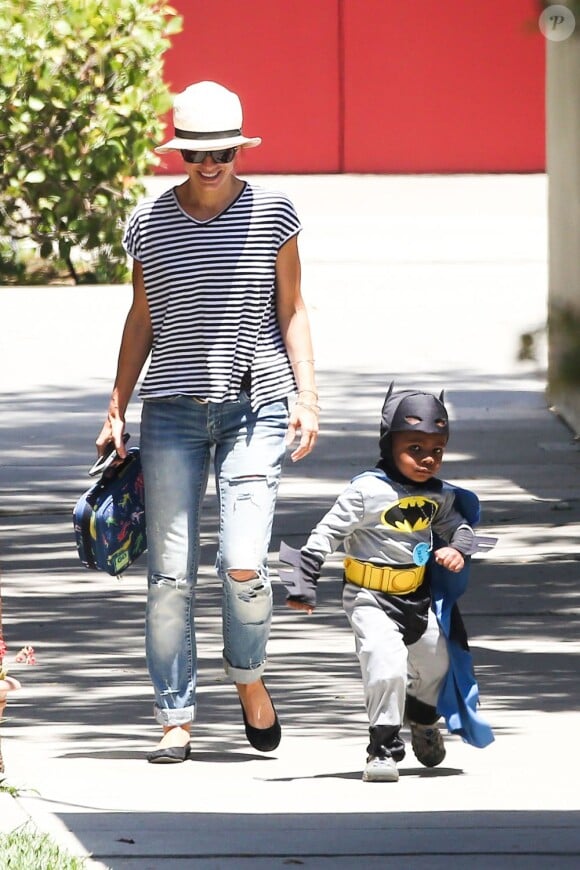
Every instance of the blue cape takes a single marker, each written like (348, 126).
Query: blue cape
(459, 695)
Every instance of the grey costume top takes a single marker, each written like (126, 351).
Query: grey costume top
(379, 520)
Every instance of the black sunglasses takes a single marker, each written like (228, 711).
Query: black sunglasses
(225, 155)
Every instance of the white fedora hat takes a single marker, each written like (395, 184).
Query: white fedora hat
(207, 117)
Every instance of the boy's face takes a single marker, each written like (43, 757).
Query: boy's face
(417, 455)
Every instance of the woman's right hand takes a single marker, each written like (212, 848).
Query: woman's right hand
(112, 432)
(135, 347)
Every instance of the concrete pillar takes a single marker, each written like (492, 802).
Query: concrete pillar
(563, 168)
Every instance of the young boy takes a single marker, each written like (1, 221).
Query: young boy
(407, 537)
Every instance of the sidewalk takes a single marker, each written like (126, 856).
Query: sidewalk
(426, 280)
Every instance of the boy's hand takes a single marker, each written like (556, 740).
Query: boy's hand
(449, 558)
(297, 604)
(299, 575)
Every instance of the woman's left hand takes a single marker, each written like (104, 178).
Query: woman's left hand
(303, 420)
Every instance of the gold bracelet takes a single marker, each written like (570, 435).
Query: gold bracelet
(298, 361)
(312, 392)
(311, 406)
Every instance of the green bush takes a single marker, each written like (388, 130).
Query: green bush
(81, 95)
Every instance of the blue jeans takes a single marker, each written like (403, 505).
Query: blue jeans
(177, 437)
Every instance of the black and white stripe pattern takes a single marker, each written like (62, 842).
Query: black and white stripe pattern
(210, 287)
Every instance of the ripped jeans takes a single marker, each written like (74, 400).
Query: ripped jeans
(177, 436)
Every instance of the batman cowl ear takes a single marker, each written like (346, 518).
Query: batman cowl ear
(442, 397)
(387, 397)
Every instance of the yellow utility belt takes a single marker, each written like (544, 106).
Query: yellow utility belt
(384, 578)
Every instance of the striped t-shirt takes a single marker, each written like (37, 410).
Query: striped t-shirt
(211, 292)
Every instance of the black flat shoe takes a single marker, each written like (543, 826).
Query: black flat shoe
(263, 739)
(169, 754)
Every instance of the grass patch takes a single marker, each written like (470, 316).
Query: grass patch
(28, 849)
(12, 790)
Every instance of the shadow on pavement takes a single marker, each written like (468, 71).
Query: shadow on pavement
(88, 628)
(499, 839)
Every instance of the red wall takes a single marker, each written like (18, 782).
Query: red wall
(373, 85)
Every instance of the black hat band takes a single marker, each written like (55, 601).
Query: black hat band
(219, 134)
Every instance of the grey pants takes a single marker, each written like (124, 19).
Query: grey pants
(391, 670)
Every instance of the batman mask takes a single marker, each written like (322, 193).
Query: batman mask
(410, 411)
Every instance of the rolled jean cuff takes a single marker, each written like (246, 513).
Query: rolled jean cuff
(244, 675)
(172, 717)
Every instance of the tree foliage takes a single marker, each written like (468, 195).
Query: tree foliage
(81, 95)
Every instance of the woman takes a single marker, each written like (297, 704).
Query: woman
(217, 303)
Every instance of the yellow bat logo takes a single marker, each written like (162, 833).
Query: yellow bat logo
(414, 513)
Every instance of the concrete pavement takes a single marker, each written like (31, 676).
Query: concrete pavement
(428, 280)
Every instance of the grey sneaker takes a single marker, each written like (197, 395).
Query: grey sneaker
(427, 744)
(379, 769)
